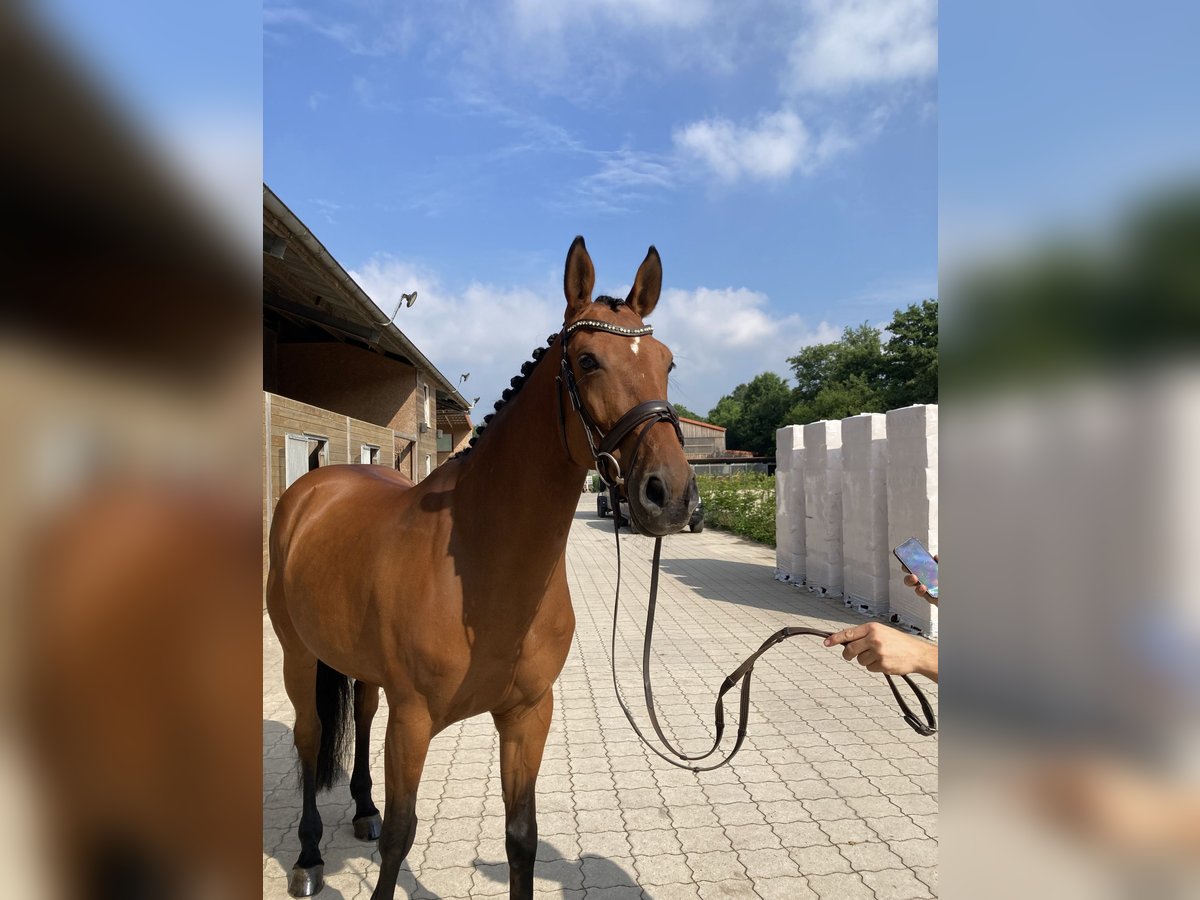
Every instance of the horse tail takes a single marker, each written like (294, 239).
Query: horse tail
(335, 709)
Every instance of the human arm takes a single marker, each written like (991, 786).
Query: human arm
(887, 651)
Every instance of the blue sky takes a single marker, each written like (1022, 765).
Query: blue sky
(781, 156)
(459, 148)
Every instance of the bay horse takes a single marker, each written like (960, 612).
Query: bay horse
(451, 594)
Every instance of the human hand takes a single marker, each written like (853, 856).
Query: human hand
(919, 589)
(887, 651)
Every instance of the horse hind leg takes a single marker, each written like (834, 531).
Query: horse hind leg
(320, 697)
(367, 822)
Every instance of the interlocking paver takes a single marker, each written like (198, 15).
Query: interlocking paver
(784, 889)
(696, 840)
(660, 842)
(848, 831)
(753, 837)
(715, 865)
(873, 856)
(729, 814)
(695, 816)
(840, 887)
(820, 860)
(900, 884)
(599, 871)
(831, 797)
(895, 828)
(674, 892)
(606, 843)
(768, 863)
(593, 820)
(799, 834)
(829, 810)
(662, 868)
(916, 853)
(566, 874)
(731, 889)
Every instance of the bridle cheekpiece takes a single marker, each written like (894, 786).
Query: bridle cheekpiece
(600, 444)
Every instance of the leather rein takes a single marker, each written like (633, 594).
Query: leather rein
(602, 446)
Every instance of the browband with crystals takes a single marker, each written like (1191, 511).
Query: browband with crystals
(597, 325)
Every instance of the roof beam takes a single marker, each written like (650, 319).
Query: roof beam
(370, 335)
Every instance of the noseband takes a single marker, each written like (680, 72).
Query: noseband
(600, 444)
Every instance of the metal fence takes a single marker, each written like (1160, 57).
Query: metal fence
(738, 468)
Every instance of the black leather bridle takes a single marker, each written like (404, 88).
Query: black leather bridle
(602, 446)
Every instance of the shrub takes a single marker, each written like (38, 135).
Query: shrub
(742, 504)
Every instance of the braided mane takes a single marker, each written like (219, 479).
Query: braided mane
(511, 391)
(518, 381)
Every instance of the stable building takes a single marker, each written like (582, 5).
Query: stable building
(702, 438)
(341, 383)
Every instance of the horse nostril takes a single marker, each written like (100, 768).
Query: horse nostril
(656, 491)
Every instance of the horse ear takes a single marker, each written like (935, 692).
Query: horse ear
(579, 278)
(643, 297)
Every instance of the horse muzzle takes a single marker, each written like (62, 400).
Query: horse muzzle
(660, 502)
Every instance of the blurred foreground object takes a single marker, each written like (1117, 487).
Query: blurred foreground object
(1071, 469)
(130, 626)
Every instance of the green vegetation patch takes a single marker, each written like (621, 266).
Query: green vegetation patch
(742, 504)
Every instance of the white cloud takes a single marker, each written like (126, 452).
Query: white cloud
(861, 43)
(770, 150)
(624, 178)
(721, 337)
(485, 330)
(534, 16)
(382, 37)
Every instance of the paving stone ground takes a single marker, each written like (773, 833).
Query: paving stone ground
(832, 795)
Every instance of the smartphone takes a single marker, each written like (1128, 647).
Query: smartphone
(919, 561)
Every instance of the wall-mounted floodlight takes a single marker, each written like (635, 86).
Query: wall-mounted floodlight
(405, 300)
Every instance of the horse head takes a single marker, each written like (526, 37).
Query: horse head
(614, 376)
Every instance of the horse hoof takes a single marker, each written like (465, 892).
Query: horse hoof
(306, 882)
(368, 828)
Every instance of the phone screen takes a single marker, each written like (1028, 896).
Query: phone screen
(918, 561)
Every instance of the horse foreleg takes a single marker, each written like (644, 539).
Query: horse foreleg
(405, 747)
(522, 740)
(367, 822)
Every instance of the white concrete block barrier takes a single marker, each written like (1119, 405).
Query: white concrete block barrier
(789, 504)
(848, 492)
(912, 504)
(866, 554)
(823, 507)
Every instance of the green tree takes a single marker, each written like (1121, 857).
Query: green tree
(858, 352)
(841, 378)
(855, 374)
(836, 401)
(686, 413)
(911, 356)
(728, 410)
(753, 412)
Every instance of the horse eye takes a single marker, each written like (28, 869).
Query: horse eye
(587, 362)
